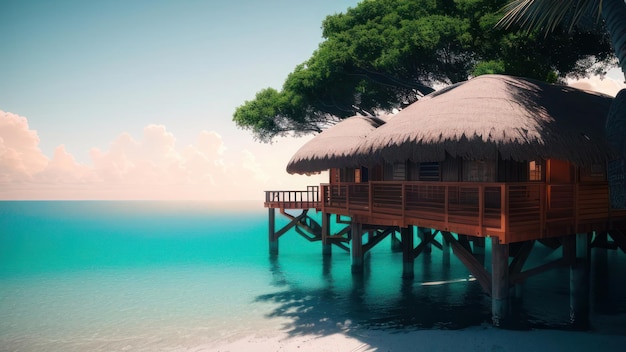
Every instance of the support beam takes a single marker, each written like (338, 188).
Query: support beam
(518, 278)
(471, 263)
(499, 282)
(356, 248)
(579, 283)
(520, 259)
(424, 243)
(376, 236)
(619, 237)
(425, 234)
(294, 221)
(408, 259)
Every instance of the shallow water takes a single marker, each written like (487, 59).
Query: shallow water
(89, 276)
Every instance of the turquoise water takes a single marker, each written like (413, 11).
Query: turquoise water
(102, 276)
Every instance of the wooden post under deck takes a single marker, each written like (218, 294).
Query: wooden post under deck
(356, 248)
(445, 250)
(396, 244)
(422, 233)
(499, 282)
(273, 239)
(326, 245)
(479, 249)
(579, 283)
(408, 258)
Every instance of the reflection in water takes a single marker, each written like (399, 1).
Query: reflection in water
(443, 295)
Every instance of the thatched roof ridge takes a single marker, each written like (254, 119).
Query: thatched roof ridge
(521, 119)
(334, 147)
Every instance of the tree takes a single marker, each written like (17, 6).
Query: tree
(383, 54)
(546, 15)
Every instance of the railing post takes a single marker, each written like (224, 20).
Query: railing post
(576, 207)
(370, 197)
(481, 208)
(446, 202)
(542, 210)
(403, 200)
(504, 209)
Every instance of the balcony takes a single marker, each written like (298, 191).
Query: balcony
(512, 212)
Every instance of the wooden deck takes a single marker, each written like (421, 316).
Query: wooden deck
(513, 212)
(308, 199)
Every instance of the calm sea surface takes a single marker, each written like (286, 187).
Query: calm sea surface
(102, 276)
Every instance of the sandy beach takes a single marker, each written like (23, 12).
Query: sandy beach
(483, 338)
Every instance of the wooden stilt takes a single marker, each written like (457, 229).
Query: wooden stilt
(273, 239)
(499, 282)
(479, 249)
(356, 248)
(579, 283)
(327, 248)
(408, 258)
(445, 249)
(423, 234)
(396, 244)
(470, 262)
(599, 280)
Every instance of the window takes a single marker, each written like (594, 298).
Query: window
(399, 171)
(479, 171)
(594, 173)
(429, 172)
(357, 175)
(535, 171)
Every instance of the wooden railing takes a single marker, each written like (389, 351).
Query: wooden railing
(293, 199)
(501, 209)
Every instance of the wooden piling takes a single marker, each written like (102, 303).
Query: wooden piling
(479, 249)
(423, 233)
(396, 244)
(326, 244)
(445, 251)
(356, 248)
(499, 282)
(408, 258)
(579, 283)
(273, 239)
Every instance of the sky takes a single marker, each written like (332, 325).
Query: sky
(134, 99)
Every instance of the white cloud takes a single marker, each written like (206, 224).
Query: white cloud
(153, 167)
(607, 85)
(20, 156)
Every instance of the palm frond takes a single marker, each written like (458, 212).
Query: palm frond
(546, 15)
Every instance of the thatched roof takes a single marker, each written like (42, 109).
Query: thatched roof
(521, 119)
(334, 147)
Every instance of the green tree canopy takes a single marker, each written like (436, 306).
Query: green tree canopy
(383, 54)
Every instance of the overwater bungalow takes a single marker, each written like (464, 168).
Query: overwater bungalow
(505, 158)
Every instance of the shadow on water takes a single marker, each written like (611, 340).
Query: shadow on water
(437, 298)
(344, 303)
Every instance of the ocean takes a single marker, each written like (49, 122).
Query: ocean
(172, 276)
